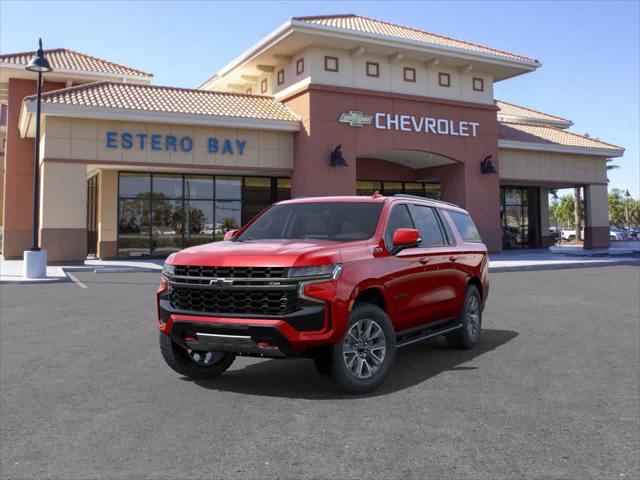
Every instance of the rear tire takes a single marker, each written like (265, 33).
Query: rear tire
(361, 361)
(196, 365)
(471, 317)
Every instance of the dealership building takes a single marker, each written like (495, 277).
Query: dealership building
(331, 105)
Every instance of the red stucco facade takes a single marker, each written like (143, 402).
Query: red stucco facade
(462, 182)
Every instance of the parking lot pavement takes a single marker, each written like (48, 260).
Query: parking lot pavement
(552, 391)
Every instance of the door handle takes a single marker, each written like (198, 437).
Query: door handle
(424, 260)
(453, 259)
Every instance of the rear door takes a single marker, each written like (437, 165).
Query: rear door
(438, 283)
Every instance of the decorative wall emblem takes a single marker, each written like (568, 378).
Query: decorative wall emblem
(356, 119)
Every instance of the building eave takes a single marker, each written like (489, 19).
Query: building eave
(296, 26)
(532, 121)
(129, 115)
(541, 147)
(64, 72)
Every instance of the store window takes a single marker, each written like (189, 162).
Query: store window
(419, 189)
(162, 213)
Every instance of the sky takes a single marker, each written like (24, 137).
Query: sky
(590, 51)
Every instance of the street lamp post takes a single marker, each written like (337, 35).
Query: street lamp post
(35, 260)
(626, 208)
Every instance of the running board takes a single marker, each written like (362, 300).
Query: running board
(426, 333)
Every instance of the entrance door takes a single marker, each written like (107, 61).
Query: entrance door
(92, 216)
(519, 215)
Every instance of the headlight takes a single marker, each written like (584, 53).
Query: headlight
(169, 269)
(331, 271)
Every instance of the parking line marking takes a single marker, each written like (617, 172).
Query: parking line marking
(75, 280)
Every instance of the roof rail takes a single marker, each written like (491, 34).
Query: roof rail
(406, 195)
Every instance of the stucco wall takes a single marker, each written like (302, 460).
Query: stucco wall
(352, 73)
(85, 140)
(551, 167)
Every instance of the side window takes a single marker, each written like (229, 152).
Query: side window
(399, 218)
(447, 228)
(465, 226)
(428, 225)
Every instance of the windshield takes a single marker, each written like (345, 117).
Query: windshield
(337, 221)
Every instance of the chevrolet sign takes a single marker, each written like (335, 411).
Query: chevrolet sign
(410, 123)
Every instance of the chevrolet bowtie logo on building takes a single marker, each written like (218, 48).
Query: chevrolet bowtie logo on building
(356, 119)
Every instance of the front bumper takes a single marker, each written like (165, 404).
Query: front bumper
(289, 335)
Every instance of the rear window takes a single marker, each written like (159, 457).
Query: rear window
(465, 226)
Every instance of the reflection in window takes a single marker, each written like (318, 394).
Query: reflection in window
(228, 188)
(199, 222)
(162, 213)
(228, 217)
(368, 188)
(133, 227)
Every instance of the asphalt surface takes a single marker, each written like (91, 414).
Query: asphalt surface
(552, 391)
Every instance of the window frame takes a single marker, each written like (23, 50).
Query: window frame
(280, 76)
(300, 66)
(327, 59)
(443, 235)
(263, 85)
(407, 70)
(441, 82)
(480, 82)
(377, 67)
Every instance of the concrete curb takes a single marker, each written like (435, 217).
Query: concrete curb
(562, 266)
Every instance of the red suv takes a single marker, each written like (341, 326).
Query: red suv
(343, 280)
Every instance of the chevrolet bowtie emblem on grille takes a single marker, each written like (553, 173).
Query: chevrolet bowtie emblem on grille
(356, 119)
(221, 282)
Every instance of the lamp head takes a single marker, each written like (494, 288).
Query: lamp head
(39, 62)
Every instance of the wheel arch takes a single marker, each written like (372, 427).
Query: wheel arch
(373, 295)
(476, 282)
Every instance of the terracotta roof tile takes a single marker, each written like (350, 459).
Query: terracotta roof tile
(65, 59)
(513, 110)
(379, 27)
(153, 98)
(517, 132)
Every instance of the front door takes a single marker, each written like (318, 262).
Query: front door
(92, 216)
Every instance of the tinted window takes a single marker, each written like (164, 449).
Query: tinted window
(399, 218)
(447, 229)
(465, 226)
(337, 221)
(428, 225)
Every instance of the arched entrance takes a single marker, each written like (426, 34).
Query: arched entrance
(394, 171)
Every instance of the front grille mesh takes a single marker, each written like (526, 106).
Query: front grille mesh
(231, 272)
(247, 302)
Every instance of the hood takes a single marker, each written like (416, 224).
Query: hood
(263, 253)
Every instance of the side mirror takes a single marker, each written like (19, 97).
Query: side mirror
(405, 237)
(230, 234)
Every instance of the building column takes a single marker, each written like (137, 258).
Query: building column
(107, 214)
(596, 216)
(63, 211)
(546, 240)
(479, 194)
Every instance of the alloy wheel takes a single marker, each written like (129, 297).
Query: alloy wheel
(364, 348)
(473, 317)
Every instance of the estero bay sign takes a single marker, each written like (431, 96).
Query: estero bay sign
(411, 123)
(171, 143)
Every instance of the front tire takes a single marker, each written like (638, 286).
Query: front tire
(362, 359)
(471, 317)
(192, 364)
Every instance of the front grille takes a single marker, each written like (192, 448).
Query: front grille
(242, 302)
(231, 272)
